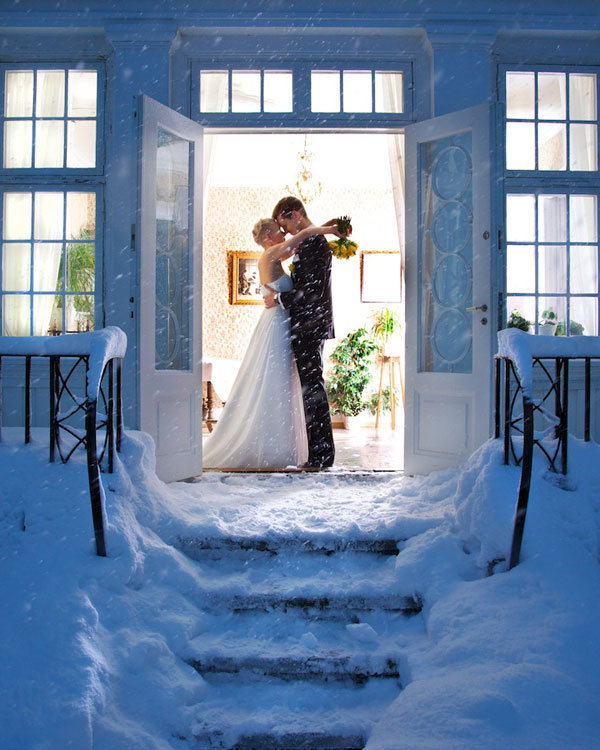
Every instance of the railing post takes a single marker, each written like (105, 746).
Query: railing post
(110, 421)
(507, 366)
(119, 404)
(564, 416)
(94, 476)
(0, 398)
(497, 397)
(525, 483)
(53, 376)
(586, 429)
(27, 399)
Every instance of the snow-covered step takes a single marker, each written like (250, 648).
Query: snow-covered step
(291, 716)
(198, 547)
(357, 669)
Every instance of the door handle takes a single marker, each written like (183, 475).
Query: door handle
(483, 308)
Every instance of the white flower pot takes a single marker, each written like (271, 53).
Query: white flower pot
(548, 328)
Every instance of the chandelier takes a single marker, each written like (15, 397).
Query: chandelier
(305, 187)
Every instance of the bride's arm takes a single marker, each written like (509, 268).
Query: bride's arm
(288, 247)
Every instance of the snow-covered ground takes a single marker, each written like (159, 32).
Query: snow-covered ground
(93, 651)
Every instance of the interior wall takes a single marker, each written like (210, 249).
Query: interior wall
(230, 214)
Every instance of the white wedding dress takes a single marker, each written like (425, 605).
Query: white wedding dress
(262, 425)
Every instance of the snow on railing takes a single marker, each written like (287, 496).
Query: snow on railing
(519, 353)
(97, 352)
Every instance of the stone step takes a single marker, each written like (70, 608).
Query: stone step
(198, 547)
(287, 668)
(289, 741)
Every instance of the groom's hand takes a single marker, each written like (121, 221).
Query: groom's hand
(269, 299)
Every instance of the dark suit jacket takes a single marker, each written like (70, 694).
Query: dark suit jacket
(309, 303)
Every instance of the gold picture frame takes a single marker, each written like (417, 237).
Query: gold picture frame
(244, 282)
(381, 276)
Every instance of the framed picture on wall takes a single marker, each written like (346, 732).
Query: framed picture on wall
(244, 283)
(380, 276)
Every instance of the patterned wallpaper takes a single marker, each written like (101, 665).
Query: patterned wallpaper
(230, 213)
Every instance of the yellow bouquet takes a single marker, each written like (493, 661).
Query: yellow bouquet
(343, 248)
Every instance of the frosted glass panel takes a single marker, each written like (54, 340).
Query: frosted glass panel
(583, 218)
(81, 215)
(17, 216)
(520, 145)
(520, 218)
(277, 91)
(582, 97)
(15, 315)
(388, 93)
(584, 310)
(83, 93)
(17, 144)
(358, 95)
(584, 269)
(214, 91)
(81, 144)
(49, 143)
(245, 91)
(50, 93)
(16, 267)
(325, 90)
(520, 268)
(583, 153)
(18, 93)
(552, 100)
(48, 216)
(552, 269)
(552, 146)
(552, 218)
(520, 96)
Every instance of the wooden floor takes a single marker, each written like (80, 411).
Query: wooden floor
(365, 448)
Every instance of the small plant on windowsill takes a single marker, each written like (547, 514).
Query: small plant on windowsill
(549, 322)
(575, 328)
(516, 320)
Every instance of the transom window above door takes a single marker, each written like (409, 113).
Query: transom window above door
(281, 96)
(50, 118)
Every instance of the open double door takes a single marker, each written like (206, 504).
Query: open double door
(448, 300)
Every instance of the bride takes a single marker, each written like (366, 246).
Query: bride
(262, 425)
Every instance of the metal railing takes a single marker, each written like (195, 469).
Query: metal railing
(99, 410)
(553, 405)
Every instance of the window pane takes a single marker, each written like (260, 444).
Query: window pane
(552, 269)
(325, 90)
(552, 218)
(358, 95)
(81, 144)
(520, 145)
(17, 144)
(277, 91)
(16, 267)
(245, 91)
(584, 269)
(83, 93)
(15, 314)
(18, 93)
(520, 218)
(552, 96)
(81, 216)
(80, 266)
(50, 93)
(584, 311)
(17, 216)
(582, 96)
(520, 268)
(583, 154)
(79, 312)
(388, 93)
(583, 218)
(214, 91)
(551, 309)
(524, 306)
(49, 143)
(46, 265)
(520, 96)
(48, 216)
(552, 146)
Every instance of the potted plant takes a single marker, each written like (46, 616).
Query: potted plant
(548, 323)
(516, 320)
(385, 405)
(350, 373)
(575, 328)
(385, 323)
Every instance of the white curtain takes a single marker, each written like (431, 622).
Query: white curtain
(392, 103)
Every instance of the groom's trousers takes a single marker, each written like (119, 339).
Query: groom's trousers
(309, 360)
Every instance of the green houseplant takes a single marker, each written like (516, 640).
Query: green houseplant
(385, 323)
(575, 328)
(350, 372)
(516, 320)
(548, 323)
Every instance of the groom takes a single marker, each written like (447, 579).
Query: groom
(311, 322)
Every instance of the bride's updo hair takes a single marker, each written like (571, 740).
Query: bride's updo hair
(260, 229)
